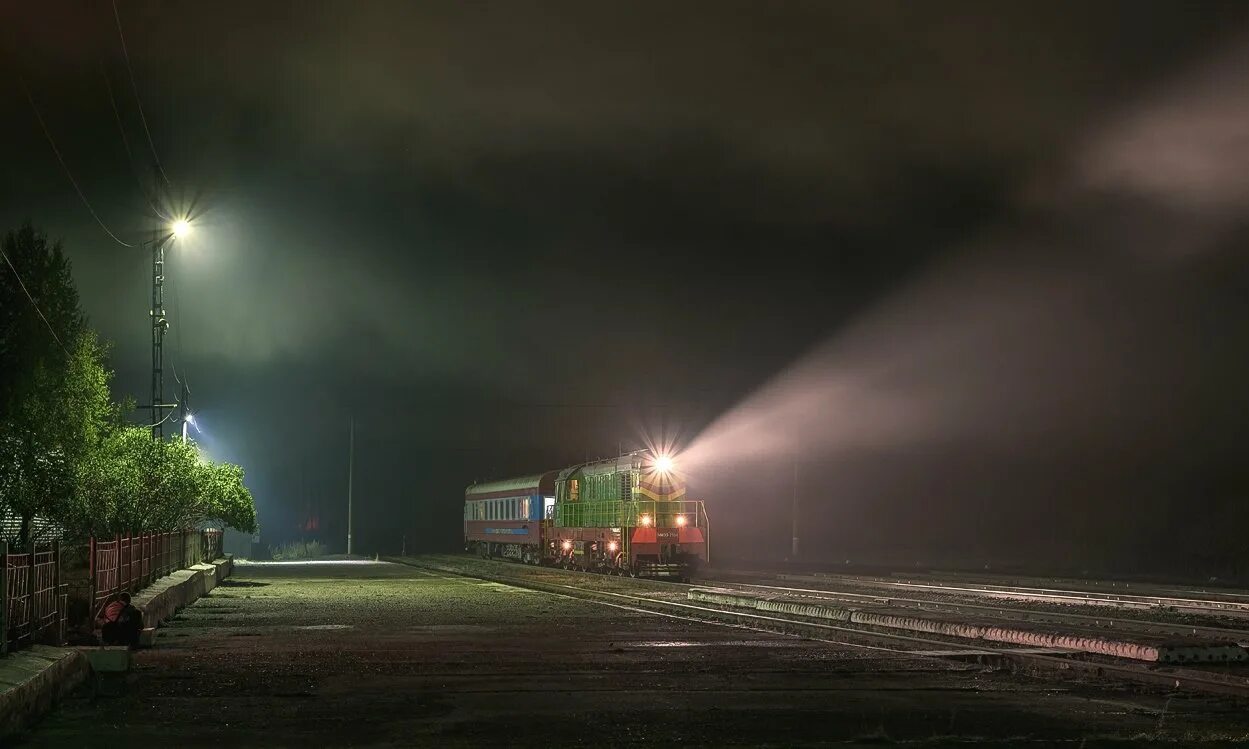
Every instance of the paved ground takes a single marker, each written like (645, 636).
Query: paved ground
(338, 654)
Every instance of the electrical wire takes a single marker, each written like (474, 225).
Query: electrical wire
(121, 130)
(139, 102)
(47, 134)
(33, 303)
(177, 326)
(162, 421)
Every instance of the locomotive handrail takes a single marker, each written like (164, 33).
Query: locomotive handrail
(629, 513)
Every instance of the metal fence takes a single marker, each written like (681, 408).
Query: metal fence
(130, 563)
(35, 602)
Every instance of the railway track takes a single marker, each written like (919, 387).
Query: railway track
(1090, 623)
(1232, 605)
(1028, 660)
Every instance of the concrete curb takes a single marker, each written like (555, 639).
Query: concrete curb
(170, 594)
(33, 680)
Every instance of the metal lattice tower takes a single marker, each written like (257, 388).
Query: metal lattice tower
(160, 324)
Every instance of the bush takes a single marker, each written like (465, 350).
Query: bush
(297, 550)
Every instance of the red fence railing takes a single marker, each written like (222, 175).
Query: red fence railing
(35, 597)
(34, 608)
(131, 563)
(17, 597)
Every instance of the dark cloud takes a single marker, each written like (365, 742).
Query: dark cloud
(509, 234)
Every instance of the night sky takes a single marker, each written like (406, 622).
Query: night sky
(1001, 247)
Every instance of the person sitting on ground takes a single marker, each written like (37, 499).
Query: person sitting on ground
(121, 623)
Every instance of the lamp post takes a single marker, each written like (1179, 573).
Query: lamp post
(160, 322)
(351, 466)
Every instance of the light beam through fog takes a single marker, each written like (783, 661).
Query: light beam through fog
(1055, 340)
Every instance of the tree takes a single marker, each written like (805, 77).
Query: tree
(65, 456)
(136, 484)
(227, 499)
(40, 321)
(80, 417)
(45, 378)
(26, 341)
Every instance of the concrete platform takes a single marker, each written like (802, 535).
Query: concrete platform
(360, 654)
(33, 680)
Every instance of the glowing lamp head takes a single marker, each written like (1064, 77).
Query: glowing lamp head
(190, 419)
(567, 545)
(663, 463)
(681, 520)
(180, 228)
(611, 545)
(645, 520)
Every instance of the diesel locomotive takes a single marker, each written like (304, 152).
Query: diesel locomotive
(624, 516)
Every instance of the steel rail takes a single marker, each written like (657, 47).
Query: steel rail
(1241, 636)
(1042, 594)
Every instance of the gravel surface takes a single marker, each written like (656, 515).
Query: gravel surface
(365, 654)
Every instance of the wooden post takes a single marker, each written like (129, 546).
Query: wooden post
(91, 576)
(58, 634)
(32, 548)
(4, 597)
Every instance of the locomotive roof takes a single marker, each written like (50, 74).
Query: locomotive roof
(535, 484)
(625, 462)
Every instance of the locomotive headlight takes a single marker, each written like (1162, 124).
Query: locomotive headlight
(567, 545)
(645, 520)
(681, 520)
(663, 463)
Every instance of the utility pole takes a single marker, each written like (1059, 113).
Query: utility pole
(793, 551)
(183, 405)
(159, 325)
(351, 459)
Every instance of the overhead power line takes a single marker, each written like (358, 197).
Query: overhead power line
(52, 142)
(168, 416)
(138, 101)
(33, 303)
(121, 130)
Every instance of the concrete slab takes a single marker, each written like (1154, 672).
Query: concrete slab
(32, 681)
(108, 658)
